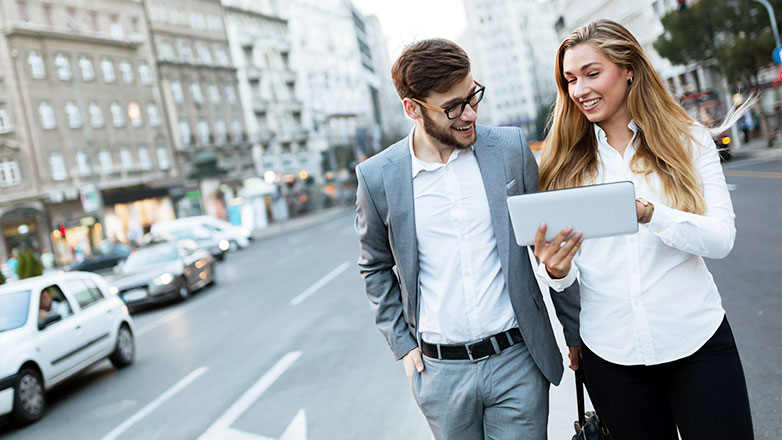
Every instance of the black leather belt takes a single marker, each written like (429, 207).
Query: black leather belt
(474, 351)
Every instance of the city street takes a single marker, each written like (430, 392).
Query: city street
(284, 345)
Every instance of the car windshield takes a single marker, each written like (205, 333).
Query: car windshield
(14, 307)
(191, 234)
(151, 256)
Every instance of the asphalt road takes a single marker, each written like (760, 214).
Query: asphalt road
(285, 347)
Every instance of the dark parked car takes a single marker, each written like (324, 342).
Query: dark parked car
(163, 272)
(103, 258)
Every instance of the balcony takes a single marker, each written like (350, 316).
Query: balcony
(260, 105)
(253, 73)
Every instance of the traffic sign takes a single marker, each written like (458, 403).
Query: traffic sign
(777, 55)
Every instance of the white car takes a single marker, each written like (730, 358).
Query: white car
(51, 328)
(236, 236)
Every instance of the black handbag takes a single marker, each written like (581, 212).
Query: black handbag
(588, 425)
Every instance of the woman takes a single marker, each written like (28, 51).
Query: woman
(657, 351)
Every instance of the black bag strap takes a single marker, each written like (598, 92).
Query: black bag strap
(580, 398)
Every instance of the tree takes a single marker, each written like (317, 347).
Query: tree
(733, 36)
(29, 265)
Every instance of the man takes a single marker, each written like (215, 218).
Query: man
(464, 294)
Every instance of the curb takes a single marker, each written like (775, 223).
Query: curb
(299, 223)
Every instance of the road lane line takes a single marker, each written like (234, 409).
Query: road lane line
(322, 282)
(224, 422)
(179, 312)
(748, 162)
(762, 174)
(152, 406)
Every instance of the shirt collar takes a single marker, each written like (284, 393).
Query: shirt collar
(420, 165)
(602, 139)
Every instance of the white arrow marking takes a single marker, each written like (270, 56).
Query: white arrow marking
(221, 428)
(297, 429)
(322, 282)
(152, 406)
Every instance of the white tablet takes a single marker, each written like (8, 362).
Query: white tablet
(597, 211)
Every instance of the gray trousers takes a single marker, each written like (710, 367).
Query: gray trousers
(504, 397)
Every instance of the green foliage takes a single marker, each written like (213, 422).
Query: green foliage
(29, 265)
(2, 278)
(733, 35)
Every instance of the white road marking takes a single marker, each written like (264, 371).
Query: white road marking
(221, 428)
(179, 312)
(732, 187)
(747, 162)
(322, 282)
(152, 406)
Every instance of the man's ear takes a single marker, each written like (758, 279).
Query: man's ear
(412, 109)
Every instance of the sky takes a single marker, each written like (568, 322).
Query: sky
(405, 21)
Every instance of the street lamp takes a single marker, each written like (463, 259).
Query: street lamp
(774, 28)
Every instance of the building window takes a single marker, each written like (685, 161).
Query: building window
(236, 128)
(116, 28)
(126, 159)
(164, 50)
(106, 164)
(185, 51)
(195, 92)
(9, 173)
(63, 67)
(221, 55)
(83, 163)
(57, 167)
(94, 21)
(230, 94)
(203, 131)
(107, 67)
(87, 74)
(204, 56)
(127, 71)
(197, 21)
(47, 115)
(36, 65)
(214, 93)
(48, 15)
(144, 73)
(153, 116)
(214, 23)
(184, 131)
(144, 160)
(73, 21)
(73, 113)
(222, 132)
(24, 12)
(5, 123)
(162, 158)
(117, 117)
(176, 92)
(96, 115)
(134, 112)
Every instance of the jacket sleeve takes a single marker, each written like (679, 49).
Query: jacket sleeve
(567, 303)
(376, 263)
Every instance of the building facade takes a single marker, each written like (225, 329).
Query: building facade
(512, 44)
(86, 153)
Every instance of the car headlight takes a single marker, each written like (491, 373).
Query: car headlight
(224, 245)
(113, 290)
(164, 279)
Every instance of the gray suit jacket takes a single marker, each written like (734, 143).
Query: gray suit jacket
(388, 260)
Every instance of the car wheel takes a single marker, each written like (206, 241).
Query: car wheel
(125, 351)
(213, 271)
(29, 397)
(234, 246)
(184, 291)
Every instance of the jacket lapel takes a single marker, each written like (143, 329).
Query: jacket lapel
(398, 184)
(492, 166)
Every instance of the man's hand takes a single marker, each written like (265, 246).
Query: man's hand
(413, 361)
(574, 354)
(558, 254)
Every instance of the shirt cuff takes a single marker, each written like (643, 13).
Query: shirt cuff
(557, 284)
(662, 218)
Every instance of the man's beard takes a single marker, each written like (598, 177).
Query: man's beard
(444, 136)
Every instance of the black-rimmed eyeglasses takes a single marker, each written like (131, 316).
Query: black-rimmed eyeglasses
(456, 110)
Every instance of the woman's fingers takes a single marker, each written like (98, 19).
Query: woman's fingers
(540, 240)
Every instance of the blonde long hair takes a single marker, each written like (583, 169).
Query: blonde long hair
(663, 141)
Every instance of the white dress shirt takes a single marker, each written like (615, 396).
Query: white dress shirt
(648, 298)
(463, 292)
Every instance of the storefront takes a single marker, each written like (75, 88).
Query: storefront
(24, 227)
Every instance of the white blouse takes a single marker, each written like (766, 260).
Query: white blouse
(648, 298)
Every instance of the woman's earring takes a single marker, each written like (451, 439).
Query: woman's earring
(630, 81)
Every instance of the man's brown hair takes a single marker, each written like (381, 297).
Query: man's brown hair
(427, 66)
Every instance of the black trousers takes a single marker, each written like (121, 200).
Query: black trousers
(703, 395)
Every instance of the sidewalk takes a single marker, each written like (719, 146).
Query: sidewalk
(297, 223)
(757, 147)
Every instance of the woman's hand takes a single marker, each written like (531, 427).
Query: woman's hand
(558, 254)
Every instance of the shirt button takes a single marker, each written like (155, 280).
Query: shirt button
(447, 168)
(467, 273)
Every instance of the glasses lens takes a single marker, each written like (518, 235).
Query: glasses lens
(476, 98)
(455, 110)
